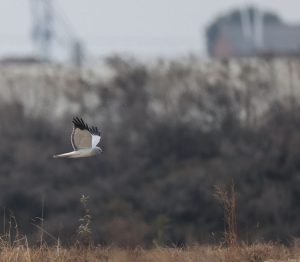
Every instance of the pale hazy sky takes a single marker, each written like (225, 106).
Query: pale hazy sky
(139, 27)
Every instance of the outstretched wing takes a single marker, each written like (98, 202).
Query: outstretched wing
(81, 137)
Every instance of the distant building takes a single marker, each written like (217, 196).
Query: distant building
(243, 34)
(276, 40)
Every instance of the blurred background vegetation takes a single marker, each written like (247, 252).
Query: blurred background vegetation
(171, 132)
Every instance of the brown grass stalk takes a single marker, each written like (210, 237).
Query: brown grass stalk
(227, 198)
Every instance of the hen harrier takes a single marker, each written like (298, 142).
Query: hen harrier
(84, 140)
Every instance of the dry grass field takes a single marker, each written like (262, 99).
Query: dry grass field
(15, 247)
(258, 252)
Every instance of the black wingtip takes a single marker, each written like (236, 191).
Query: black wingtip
(94, 131)
(79, 123)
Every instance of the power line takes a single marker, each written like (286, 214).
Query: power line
(49, 26)
(42, 28)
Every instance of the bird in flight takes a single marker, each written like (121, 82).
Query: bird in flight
(84, 140)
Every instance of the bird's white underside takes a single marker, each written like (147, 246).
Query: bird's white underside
(95, 140)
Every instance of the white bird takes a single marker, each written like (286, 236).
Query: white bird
(84, 140)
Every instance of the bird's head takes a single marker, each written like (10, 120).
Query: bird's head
(98, 150)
